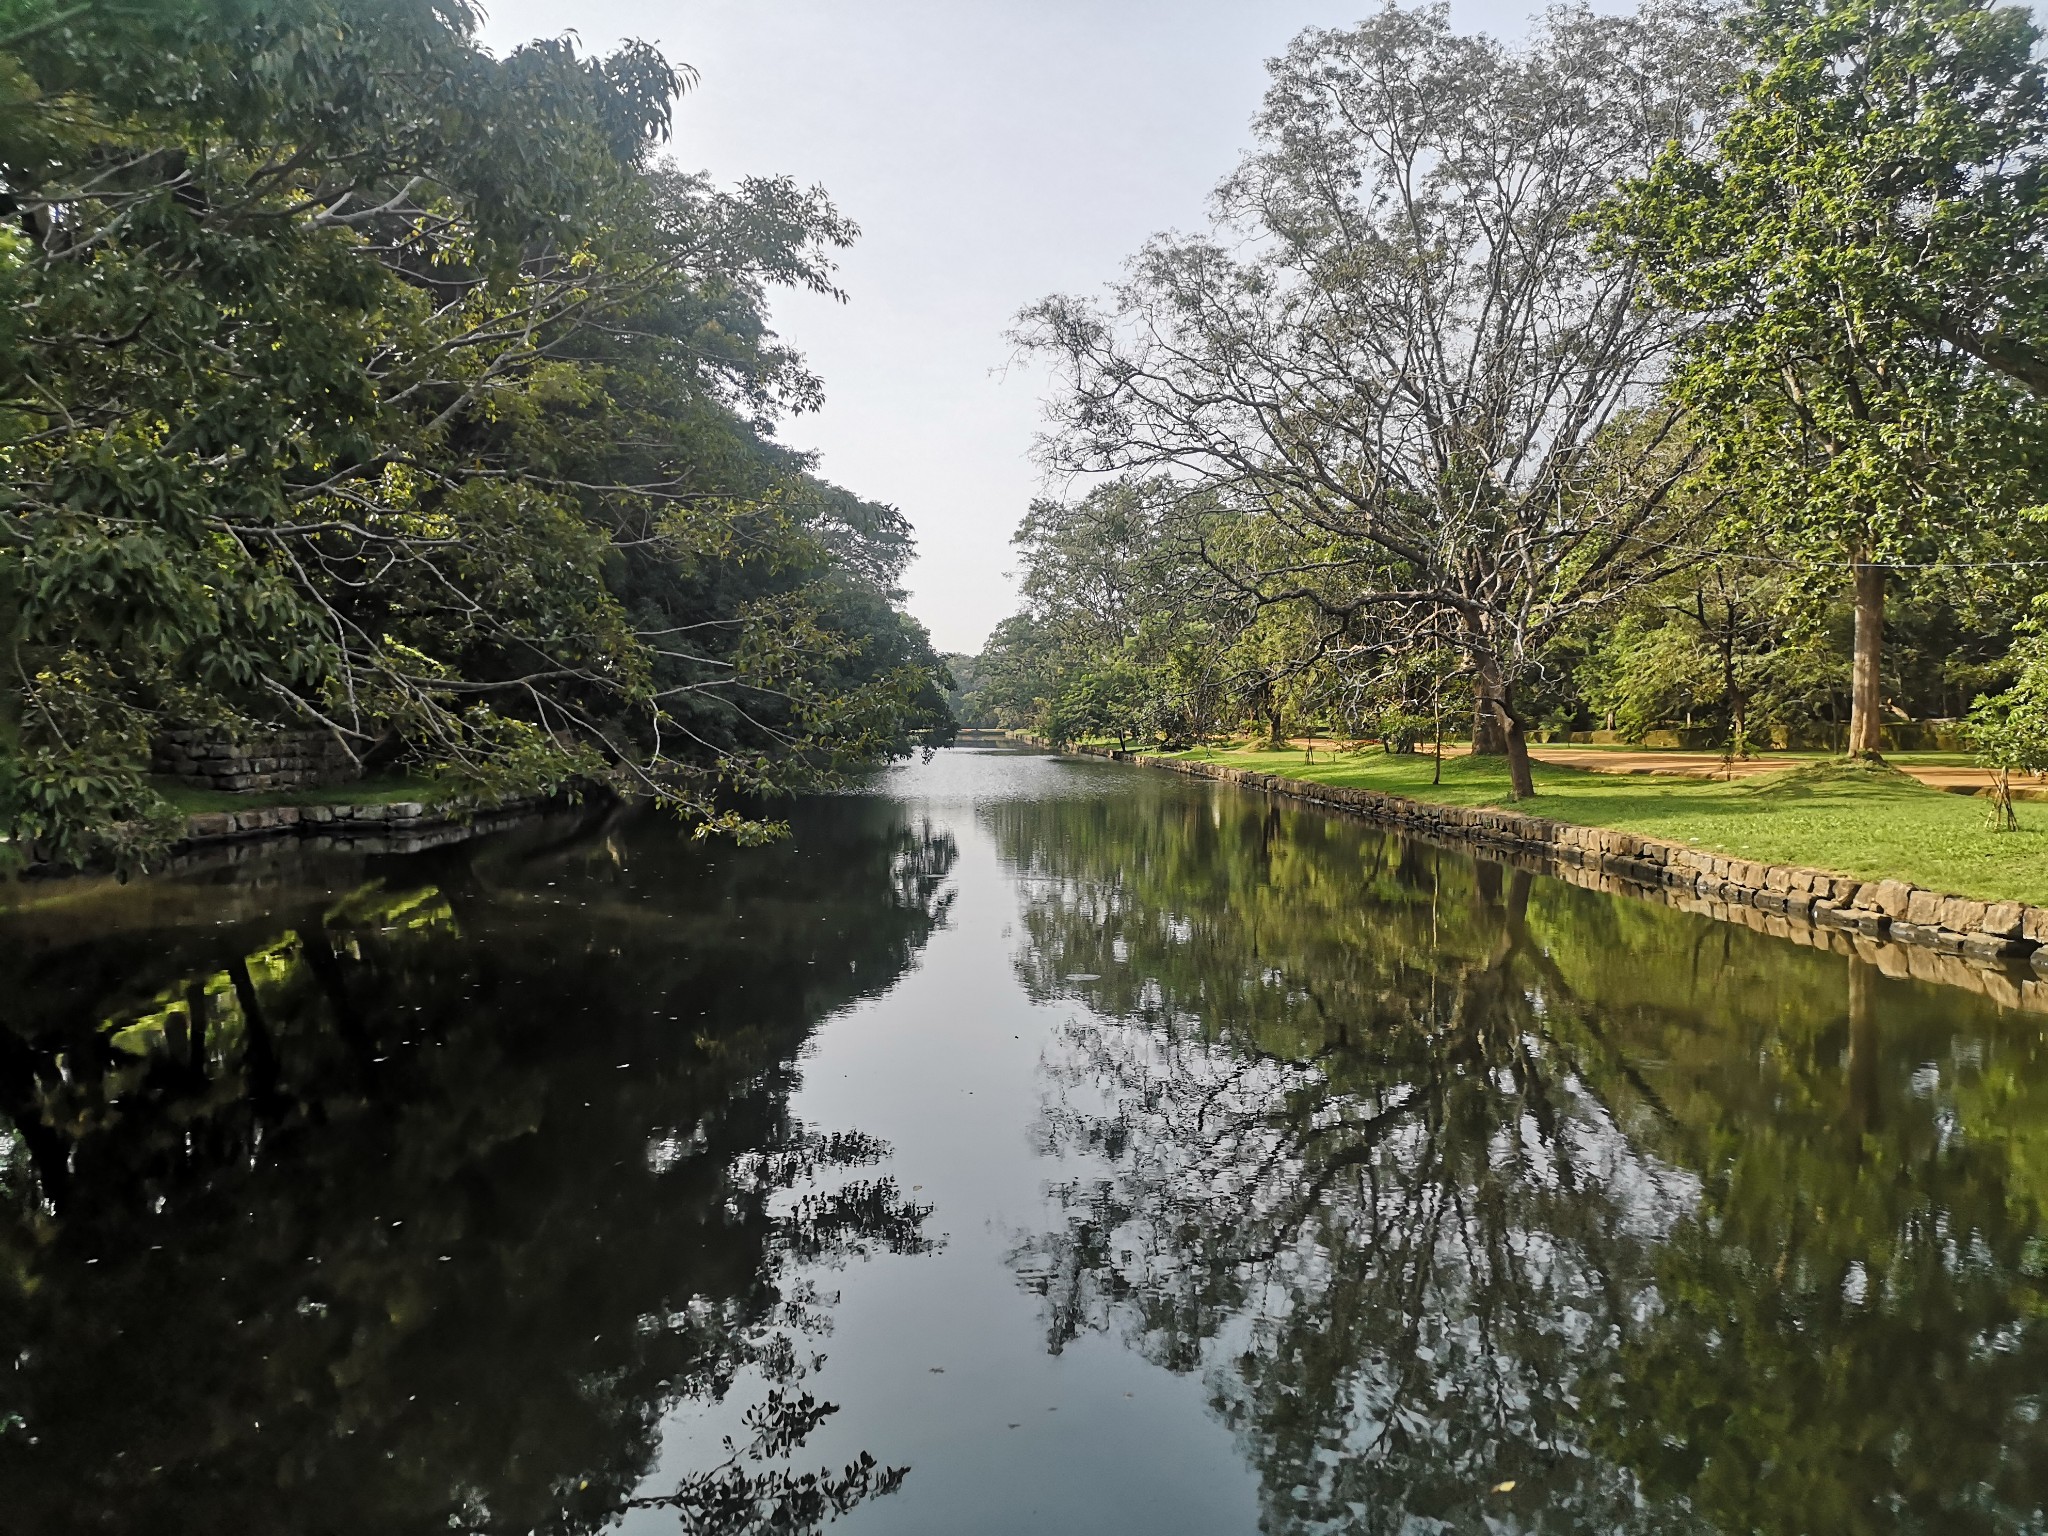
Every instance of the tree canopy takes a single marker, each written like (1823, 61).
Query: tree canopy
(1877, 152)
(356, 378)
(1399, 349)
(1672, 371)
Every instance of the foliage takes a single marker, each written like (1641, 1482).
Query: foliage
(1871, 148)
(1719, 645)
(1119, 633)
(2009, 730)
(1100, 701)
(1398, 353)
(355, 377)
(964, 700)
(1399, 730)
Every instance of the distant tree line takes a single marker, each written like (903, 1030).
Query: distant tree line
(1682, 367)
(354, 378)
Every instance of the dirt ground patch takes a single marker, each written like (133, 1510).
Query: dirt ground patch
(1711, 765)
(1959, 778)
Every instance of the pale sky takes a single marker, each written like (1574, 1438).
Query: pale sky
(992, 151)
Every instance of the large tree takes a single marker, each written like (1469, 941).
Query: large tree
(1399, 344)
(354, 377)
(1855, 242)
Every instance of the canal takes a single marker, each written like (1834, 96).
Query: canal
(1023, 1146)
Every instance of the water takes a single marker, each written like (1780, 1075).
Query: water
(1109, 1152)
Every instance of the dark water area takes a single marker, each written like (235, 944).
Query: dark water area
(1024, 1146)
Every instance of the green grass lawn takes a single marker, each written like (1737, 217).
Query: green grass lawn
(1826, 814)
(194, 802)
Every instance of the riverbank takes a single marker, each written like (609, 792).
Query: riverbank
(406, 825)
(1996, 948)
(393, 817)
(1871, 823)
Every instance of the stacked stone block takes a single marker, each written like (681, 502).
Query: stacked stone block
(403, 826)
(275, 760)
(1879, 912)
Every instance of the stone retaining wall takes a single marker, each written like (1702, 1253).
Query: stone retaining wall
(401, 819)
(1999, 947)
(276, 760)
(405, 826)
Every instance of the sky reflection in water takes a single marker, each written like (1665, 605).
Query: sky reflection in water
(1117, 1153)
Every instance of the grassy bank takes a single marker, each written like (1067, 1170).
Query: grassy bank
(197, 802)
(1826, 814)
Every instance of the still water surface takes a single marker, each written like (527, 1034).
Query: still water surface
(1113, 1152)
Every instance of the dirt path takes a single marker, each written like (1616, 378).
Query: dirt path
(1711, 765)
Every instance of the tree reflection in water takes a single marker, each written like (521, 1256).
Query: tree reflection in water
(1487, 1203)
(417, 1208)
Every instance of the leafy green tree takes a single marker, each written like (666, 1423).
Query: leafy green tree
(1720, 646)
(1103, 700)
(1400, 345)
(354, 377)
(1870, 167)
(1097, 566)
(964, 696)
(1120, 632)
(1933, 118)
(1017, 672)
(227, 359)
(2009, 729)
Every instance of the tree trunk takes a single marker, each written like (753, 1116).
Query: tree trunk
(1488, 739)
(1521, 785)
(1865, 696)
(1497, 730)
(1500, 713)
(1731, 696)
(2003, 818)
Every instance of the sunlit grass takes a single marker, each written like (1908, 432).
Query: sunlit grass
(1825, 814)
(194, 802)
